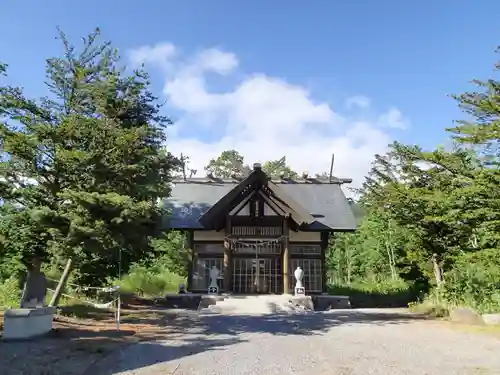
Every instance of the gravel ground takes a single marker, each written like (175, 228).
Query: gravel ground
(354, 342)
(75, 344)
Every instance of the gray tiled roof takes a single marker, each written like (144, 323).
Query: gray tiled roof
(326, 202)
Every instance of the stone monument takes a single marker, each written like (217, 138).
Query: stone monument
(33, 318)
(35, 287)
(299, 287)
(214, 274)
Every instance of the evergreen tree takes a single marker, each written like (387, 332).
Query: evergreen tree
(87, 162)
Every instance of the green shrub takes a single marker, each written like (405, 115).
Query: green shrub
(384, 293)
(10, 294)
(381, 287)
(475, 281)
(430, 308)
(146, 281)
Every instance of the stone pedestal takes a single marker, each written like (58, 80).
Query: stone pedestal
(302, 301)
(26, 323)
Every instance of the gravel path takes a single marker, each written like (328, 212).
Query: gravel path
(347, 342)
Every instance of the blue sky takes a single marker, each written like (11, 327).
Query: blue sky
(310, 77)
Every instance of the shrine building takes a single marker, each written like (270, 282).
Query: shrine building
(256, 230)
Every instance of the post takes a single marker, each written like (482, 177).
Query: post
(286, 258)
(191, 259)
(227, 258)
(62, 282)
(118, 311)
(227, 266)
(324, 248)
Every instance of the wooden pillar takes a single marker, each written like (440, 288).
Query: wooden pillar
(191, 258)
(286, 258)
(228, 280)
(324, 273)
(227, 266)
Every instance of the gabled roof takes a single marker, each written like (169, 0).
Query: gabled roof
(227, 202)
(324, 201)
(289, 205)
(214, 217)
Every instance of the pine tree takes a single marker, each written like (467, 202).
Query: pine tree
(87, 162)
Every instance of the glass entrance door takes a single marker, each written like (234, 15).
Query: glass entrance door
(257, 275)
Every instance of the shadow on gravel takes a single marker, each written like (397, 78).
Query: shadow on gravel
(192, 334)
(299, 324)
(147, 354)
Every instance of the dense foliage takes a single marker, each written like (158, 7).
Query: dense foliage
(83, 168)
(231, 162)
(433, 215)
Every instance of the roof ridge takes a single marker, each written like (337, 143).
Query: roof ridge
(309, 181)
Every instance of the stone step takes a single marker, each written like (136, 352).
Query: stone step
(261, 304)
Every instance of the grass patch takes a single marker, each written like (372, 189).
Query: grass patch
(85, 311)
(430, 309)
(10, 295)
(377, 295)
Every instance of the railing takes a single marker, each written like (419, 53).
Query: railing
(245, 226)
(257, 247)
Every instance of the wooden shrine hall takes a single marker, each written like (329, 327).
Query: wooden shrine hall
(257, 231)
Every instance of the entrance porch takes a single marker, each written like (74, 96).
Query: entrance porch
(258, 266)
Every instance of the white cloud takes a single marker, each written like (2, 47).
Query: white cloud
(160, 54)
(216, 61)
(358, 101)
(264, 117)
(393, 119)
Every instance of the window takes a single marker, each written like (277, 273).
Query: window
(305, 249)
(209, 248)
(201, 273)
(312, 274)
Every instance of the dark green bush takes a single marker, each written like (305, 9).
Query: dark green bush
(385, 293)
(474, 281)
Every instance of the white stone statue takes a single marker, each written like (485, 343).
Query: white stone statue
(214, 276)
(299, 287)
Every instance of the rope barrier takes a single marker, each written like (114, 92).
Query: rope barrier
(106, 305)
(110, 289)
(86, 288)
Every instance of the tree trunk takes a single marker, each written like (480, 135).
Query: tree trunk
(340, 272)
(390, 252)
(394, 273)
(392, 262)
(438, 274)
(348, 258)
(62, 282)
